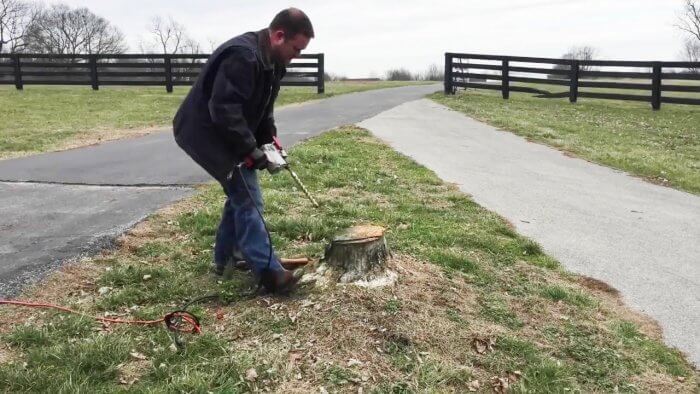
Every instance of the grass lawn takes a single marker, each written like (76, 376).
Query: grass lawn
(47, 118)
(661, 146)
(476, 306)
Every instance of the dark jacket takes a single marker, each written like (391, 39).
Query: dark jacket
(229, 110)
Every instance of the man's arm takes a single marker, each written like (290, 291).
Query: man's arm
(267, 125)
(267, 128)
(233, 86)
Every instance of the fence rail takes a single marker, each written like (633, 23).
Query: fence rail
(475, 70)
(133, 70)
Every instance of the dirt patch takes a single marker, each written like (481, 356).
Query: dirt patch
(362, 332)
(652, 382)
(598, 285)
(132, 371)
(6, 355)
(74, 281)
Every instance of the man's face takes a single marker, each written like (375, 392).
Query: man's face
(285, 49)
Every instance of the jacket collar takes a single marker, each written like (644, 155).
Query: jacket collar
(264, 48)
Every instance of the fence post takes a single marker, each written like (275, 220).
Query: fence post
(656, 86)
(168, 73)
(321, 73)
(505, 79)
(449, 88)
(93, 73)
(573, 81)
(18, 72)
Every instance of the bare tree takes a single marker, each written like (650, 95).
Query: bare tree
(400, 74)
(62, 30)
(212, 44)
(434, 73)
(15, 17)
(689, 23)
(689, 20)
(168, 35)
(581, 53)
(691, 53)
(575, 53)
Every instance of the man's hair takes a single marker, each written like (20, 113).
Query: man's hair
(292, 21)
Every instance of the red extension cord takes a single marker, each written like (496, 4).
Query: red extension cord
(172, 320)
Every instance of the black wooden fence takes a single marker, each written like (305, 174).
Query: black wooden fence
(657, 78)
(132, 69)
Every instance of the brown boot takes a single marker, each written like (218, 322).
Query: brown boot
(283, 282)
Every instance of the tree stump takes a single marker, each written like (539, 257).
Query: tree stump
(360, 253)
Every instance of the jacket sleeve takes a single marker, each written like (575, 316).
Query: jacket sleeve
(267, 127)
(233, 86)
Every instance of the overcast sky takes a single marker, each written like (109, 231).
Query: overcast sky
(366, 37)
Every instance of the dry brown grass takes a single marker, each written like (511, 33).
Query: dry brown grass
(343, 324)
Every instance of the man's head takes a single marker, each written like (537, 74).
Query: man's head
(290, 33)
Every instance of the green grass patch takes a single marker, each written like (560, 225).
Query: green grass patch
(495, 309)
(558, 293)
(46, 118)
(667, 359)
(663, 146)
(547, 376)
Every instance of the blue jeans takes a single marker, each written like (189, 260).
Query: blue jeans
(242, 230)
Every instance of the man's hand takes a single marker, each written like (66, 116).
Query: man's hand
(279, 147)
(257, 159)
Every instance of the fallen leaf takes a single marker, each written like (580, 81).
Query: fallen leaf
(500, 385)
(483, 346)
(138, 356)
(480, 347)
(294, 357)
(474, 385)
(127, 382)
(251, 375)
(514, 376)
(352, 362)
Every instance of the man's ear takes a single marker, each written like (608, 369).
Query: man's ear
(278, 35)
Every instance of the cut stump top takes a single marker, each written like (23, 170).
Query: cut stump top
(359, 234)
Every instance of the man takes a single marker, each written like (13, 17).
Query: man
(225, 119)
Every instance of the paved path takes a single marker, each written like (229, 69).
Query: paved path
(640, 238)
(57, 206)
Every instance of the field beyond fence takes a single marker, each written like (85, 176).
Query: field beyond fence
(649, 81)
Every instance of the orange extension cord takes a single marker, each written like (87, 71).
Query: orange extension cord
(172, 320)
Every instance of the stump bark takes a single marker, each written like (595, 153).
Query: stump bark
(360, 253)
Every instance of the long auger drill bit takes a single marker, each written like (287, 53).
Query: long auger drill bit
(301, 185)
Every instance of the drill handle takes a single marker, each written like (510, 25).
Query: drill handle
(278, 144)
